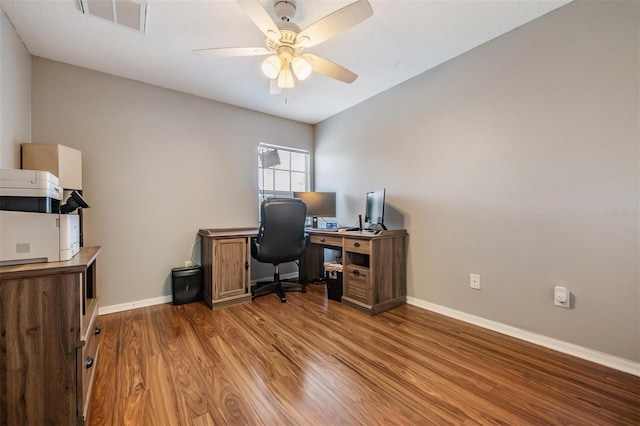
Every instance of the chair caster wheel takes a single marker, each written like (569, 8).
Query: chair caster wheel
(253, 297)
(283, 299)
(304, 290)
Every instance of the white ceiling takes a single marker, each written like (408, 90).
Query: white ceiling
(402, 39)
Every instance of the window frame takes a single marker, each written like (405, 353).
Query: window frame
(269, 193)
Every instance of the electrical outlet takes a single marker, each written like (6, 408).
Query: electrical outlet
(561, 297)
(188, 263)
(474, 281)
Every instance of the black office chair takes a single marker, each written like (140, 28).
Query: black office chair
(281, 239)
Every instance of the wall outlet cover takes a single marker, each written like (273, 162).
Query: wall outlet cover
(561, 297)
(474, 281)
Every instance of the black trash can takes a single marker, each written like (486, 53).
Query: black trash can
(186, 284)
(334, 285)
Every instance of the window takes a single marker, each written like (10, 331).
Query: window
(281, 171)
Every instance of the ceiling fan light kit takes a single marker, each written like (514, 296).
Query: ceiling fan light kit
(271, 66)
(281, 67)
(285, 41)
(301, 68)
(285, 79)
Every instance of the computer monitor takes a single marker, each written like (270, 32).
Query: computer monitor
(318, 204)
(374, 212)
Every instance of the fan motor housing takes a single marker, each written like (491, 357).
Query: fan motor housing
(288, 38)
(285, 10)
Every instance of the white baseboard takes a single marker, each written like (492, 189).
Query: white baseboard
(601, 358)
(104, 310)
(112, 309)
(288, 276)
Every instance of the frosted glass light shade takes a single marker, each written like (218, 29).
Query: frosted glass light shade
(271, 66)
(301, 67)
(285, 79)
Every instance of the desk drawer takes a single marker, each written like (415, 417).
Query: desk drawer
(357, 245)
(356, 284)
(89, 363)
(326, 240)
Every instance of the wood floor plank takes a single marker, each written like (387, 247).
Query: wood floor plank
(185, 391)
(156, 410)
(588, 392)
(396, 367)
(312, 361)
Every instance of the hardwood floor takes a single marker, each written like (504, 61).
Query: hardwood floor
(316, 362)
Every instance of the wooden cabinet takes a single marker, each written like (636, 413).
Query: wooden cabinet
(375, 271)
(48, 340)
(374, 274)
(229, 267)
(226, 266)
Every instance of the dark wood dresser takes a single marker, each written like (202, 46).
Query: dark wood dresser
(48, 340)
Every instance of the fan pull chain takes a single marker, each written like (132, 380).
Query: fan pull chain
(294, 89)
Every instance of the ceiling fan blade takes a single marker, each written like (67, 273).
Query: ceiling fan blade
(330, 69)
(273, 87)
(223, 52)
(335, 23)
(261, 18)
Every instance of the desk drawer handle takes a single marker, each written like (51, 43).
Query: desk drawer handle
(356, 244)
(89, 362)
(97, 330)
(356, 272)
(322, 240)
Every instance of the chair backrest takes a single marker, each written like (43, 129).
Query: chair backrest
(281, 237)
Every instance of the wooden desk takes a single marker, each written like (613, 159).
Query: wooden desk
(226, 262)
(374, 277)
(48, 345)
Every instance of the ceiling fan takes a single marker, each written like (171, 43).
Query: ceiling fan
(285, 42)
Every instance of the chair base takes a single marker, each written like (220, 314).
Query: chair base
(268, 288)
(280, 287)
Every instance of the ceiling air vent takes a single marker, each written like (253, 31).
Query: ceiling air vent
(130, 13)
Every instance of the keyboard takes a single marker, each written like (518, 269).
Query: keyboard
(320, 229)
(342, 228)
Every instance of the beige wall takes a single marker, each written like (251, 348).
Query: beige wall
(157, 166)
(15, 94)
(517, 161)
